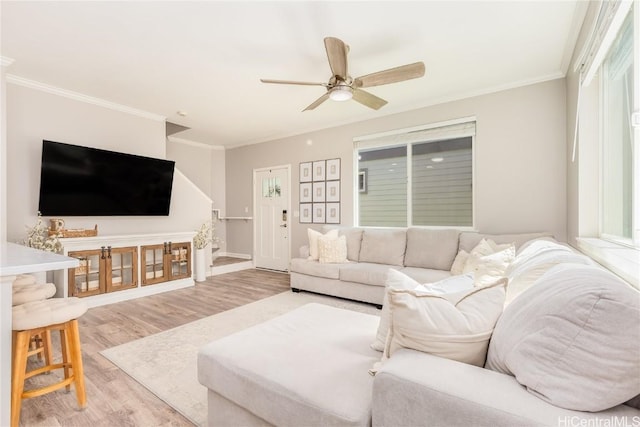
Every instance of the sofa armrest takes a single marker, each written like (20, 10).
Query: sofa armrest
(414, 388)
(304, 251)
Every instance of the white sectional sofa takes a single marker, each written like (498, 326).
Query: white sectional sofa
(425, 255)
(567, 339)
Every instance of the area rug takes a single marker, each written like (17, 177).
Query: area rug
(165, 363)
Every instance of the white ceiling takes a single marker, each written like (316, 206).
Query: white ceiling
(206, 58)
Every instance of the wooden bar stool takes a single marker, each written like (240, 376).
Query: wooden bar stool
(40, 318)
(26, 289)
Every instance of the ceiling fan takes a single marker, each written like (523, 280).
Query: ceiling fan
(342, 87)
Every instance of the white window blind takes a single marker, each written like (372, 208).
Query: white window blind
(608, 22)
(410, 136)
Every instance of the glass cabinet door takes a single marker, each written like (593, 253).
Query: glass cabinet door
(180, 260)
(121, 268)
(153, 264)
(86, 279)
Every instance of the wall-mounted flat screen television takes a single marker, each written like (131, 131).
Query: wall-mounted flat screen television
(84, 181)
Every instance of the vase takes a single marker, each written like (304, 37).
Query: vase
(201, 270)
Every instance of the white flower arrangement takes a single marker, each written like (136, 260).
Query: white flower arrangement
(38, 238)
(205, 235)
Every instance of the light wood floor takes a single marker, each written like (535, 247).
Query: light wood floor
(114, 399)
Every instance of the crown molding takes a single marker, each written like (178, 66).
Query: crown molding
(195, 143)
(21, 81)
(6, 61)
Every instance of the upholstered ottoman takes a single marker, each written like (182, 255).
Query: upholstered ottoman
(307, 367)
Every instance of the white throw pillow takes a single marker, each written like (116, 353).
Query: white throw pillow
(458, 264)
(398, 280)
(488, 261)
(454, 326)
(313, 241)
(332, 250)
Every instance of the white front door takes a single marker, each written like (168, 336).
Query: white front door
(271, 218)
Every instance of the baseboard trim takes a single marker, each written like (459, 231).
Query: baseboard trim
(235, 255)
(231, 268)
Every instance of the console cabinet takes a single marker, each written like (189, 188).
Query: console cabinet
(117, 268)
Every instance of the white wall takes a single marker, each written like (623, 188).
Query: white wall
(204, 165)
(34, 115)
(520, 161)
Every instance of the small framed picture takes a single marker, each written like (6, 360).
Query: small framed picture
(318, 191)
(333, 213)
(319, 170)
(305, 213)
(333, 169)
(318, 213)
(305, 172)
(333, 191)
(305, 192)
(362, 181)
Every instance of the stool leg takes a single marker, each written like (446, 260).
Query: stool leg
(48, 349)
(73, 341)
(64, 349)
(20, 350)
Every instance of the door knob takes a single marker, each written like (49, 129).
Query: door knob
(283, 225)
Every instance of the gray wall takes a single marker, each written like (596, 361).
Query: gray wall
(520, 162)
(34, 115)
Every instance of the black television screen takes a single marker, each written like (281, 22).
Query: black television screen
(84, 181)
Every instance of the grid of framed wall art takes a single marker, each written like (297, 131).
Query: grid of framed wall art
(320, 192)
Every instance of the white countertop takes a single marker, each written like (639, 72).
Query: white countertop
(18, 259)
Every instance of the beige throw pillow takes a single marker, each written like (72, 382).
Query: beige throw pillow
(398, 280)
(458, 264)
(332, 250)
(454, 326)
(313, 241)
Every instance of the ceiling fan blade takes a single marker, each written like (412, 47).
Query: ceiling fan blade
(392, 75)
(291, 82)
(337, 55)
(367, 99)
(317, 102)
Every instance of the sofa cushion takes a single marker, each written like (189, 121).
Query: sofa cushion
(454, 326)
(383, 246)
(365, 273)
(354, 241)
(425, 275)
(429, 248)
(398, 280)
(469, 240)
(572, 339)
(307, 367)
(314, 268)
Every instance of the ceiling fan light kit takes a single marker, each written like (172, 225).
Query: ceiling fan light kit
(341, 93)
(341, 87)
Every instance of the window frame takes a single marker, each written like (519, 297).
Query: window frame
(370, 145)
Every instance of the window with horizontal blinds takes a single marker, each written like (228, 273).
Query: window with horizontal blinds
(421, 177)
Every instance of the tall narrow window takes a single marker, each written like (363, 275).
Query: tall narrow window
(617, 152)
(421, 177)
